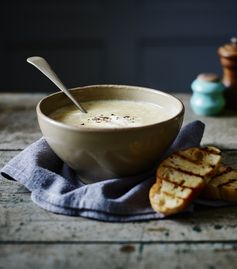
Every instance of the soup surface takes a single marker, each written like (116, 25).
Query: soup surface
(111, 114)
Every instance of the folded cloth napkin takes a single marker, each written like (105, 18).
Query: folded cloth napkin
(56, 187)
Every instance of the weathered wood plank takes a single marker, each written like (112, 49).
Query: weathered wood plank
(19, 127)
(30, 223)
(206, 224)
(27, 222)
(22, 220)
(27, 100)
(119, 256)
(196, 256)
(18, 121)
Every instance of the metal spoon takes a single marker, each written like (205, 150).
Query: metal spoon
(45, 68)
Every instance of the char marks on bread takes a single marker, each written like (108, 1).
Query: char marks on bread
(181, 177)
(223, 186)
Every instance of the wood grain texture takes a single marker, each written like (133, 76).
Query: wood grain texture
(119, 256)
(34, 238)
(33, 224)
(23, 221)
(18, 120)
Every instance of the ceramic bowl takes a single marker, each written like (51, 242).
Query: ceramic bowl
(102, 153)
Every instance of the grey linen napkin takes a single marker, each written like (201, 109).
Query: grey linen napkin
(56, 187)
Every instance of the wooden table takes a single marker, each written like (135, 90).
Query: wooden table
(31, 237)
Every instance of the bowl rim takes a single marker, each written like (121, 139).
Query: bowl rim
(104, 129)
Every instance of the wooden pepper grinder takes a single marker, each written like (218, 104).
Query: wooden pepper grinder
(228, 58)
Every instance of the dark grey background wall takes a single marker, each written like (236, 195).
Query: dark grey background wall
(156, 43)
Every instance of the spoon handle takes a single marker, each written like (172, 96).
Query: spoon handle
(45, 68)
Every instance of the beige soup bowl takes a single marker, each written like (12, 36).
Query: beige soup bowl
(101, 153)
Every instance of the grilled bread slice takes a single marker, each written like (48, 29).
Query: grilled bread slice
(223, 186)
(181, 177)
(167, 198)
(202, 162)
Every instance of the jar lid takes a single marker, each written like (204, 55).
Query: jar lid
(209, 77)
(229, 50)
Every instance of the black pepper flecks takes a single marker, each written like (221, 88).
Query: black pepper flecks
(102, 118)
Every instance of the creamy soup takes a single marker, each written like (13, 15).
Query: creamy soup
(111, 114)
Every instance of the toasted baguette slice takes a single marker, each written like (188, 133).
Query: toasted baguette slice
(203, 162)
(223, 186)
(181, 177)
(164, 203)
